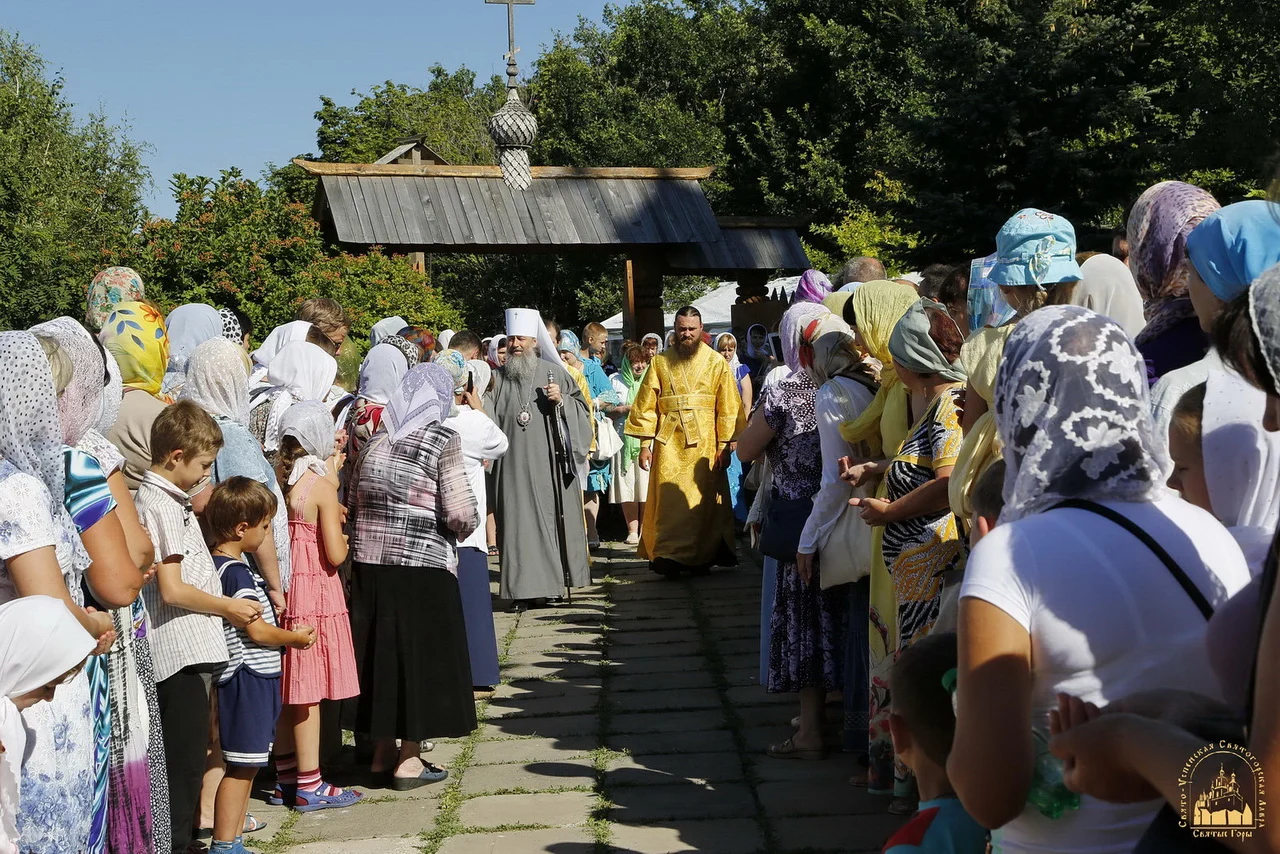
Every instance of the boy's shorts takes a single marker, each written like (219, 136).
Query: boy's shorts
(248, 706)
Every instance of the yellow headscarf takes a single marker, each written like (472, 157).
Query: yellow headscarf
(878, 306)
(134, 333)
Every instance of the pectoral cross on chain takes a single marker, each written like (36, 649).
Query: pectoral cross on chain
(511, 28)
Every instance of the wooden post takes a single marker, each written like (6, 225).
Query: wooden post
(753, 286)
(417, 259)
(642, 298)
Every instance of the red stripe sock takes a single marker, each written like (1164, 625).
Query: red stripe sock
(309, 781)
(287, 769)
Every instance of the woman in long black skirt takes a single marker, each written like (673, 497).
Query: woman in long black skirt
(410, 503)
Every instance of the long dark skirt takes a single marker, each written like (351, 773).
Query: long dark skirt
(477, 607)
(806, 632)
(857, 668)
(411, 652)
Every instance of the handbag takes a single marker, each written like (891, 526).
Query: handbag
(846, 557)
(1165, 835)
(608, 442)
(783, 524)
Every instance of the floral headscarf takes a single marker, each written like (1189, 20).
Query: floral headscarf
(135, 334)
(423, 398)
(1073, 413)
(797, 319)
(108, 289)
(218, 380)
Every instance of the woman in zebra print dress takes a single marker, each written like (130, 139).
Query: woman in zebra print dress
(922, 544)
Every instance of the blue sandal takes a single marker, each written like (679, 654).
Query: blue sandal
(306, 801)
(277, 797)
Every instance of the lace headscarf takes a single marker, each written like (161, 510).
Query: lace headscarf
(80, 404)
(423, 398)
(135, 335)
(300, 371)
(108, 289)
(1073, 413)
(311, 423)
(218, 380)
(30, 431)
(1264, 309)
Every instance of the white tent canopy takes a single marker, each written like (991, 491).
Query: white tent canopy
(716, 308)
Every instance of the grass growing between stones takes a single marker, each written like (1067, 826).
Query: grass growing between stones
(283, 839)
(716, 666)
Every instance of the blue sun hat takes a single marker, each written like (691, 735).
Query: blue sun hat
(1035, 248)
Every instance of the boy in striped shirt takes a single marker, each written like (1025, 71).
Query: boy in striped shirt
(237, 520)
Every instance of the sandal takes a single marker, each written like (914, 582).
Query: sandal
(788, 750)
(306, 801)
(429, 774)
(252, 824)
(277, 796)
(493, 551)
(902, 806)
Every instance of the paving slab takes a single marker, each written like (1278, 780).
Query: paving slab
(369, 821)
(642, 722)
(530, 776)
(567, 704)
(673, 742)
(673, 768)
(680, 698)
(651, 637)
(562, 840)
(655, 681)
(635, 652)
(521, 750)
(725, 836)
(406, 845)
(681, 801)
(561, 809)
(845, 834)
(673, 664)
(562, 725)
(812, 797)
(756, 695)
(535, 688)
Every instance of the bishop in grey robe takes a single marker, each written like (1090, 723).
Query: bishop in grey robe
(539, 496)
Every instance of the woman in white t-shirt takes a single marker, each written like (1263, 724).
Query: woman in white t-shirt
(1063, 600)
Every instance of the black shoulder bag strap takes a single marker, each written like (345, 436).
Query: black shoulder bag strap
(1201, 603)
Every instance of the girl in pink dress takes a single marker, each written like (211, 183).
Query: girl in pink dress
(308, 466)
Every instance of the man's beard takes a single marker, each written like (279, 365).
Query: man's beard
(521, 368)
(687, 349)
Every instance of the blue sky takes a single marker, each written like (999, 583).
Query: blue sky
(210, 85)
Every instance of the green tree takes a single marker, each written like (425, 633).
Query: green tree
(70, 194)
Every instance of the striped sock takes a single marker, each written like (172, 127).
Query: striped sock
(287, 769)
(309, 781)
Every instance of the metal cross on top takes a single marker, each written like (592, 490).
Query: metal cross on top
(512, 71)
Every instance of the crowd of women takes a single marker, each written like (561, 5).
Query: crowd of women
(1064, 459)
(371, 562)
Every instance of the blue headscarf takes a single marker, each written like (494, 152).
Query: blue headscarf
(1235, 245)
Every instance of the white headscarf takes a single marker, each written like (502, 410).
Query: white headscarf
(80, 404)
(1107, 287)
(381, 373)
(481, 376)
(1241, 463)
(424, 397)
(444, 338)
(311, 423)
(758, 353)
(218, 381)
(281, 336)
(300, 371)
(1073, 413)
(385, 328)
(734, 363)
(189, 326)
(112, 396)
(1264, 310)
(496, 343)
(31, 435)
(39, 642)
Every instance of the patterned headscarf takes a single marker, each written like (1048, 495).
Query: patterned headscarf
(108, 289)
(1264, 309)
(218, 380)
(794, 323)
(456, 364)
(231, 328)
(1157, 232)
(311, 423)
(1073, 413)
(80, 404)
(412, 353)
(828, 351)
(31, 433)
(423, 398)
(814, 287)
(135, 334)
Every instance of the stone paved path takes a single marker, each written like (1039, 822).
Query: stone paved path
(631, 721)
